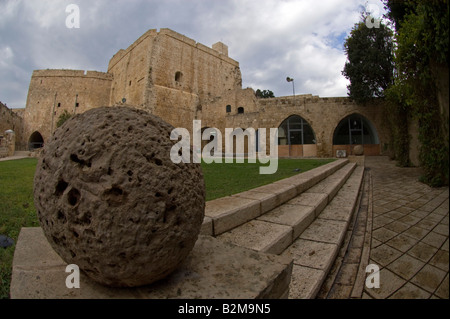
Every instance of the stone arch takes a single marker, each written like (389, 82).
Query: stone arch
(296, 138)
(35, 141)
(356, 129)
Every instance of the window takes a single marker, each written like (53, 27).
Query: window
(353, 130)
(240, 110)
(228, 108)
(295, 131)
(178, 76)
(129, 84)
(77, 104)
(59, 104)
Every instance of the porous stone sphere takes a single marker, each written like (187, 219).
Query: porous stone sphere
(358, 150)
(111, 201)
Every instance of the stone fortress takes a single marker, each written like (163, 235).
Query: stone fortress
(180, 80)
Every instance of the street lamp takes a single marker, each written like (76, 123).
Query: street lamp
(293, 88)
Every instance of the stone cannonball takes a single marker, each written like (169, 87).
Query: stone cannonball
(358, 150)
(110, 200)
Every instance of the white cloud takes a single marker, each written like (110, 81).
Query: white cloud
(271, 39)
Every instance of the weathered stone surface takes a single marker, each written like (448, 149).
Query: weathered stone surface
(110, 200)
(358, 150)
(213, 269)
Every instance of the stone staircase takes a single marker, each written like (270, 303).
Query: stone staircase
(304, 217)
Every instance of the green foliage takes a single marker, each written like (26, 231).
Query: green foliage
(422, 41)
(370, 66)
(16, 210)
(63, 118)
(264, 94)
(224, 179)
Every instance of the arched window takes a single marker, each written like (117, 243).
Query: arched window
(36, 141)
(355, 129)
(295, 131)
(240, 110)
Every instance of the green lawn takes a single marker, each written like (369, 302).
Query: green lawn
(227, 179)
(17, 208)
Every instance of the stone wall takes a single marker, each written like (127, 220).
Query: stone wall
(323, 114)
(10, 120)
(52, 92)
(180, 80)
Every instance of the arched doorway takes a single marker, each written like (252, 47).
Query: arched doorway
(35, 141)
(296, 138)
(353, 130)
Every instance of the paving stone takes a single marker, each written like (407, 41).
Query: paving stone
(325, 230)
(426, 224)
(422, 251)
(440, 260)
(409, 219)
(297, 216)
(397, 226)
(410, 291)
(442, 291)
(429, 278)
(441, 229)
(416, 232)
(434, 239)
(394, 215)
(383, 255)
(383, 234)
(419, 213)
(381, 221)
(406, 266)
(402, 242)
(389, 283)
(305, 282)
(312, 254)
(445, 245)
(260, 236)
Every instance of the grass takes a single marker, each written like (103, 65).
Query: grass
(17, 207)
(16, 210)
(228, 179)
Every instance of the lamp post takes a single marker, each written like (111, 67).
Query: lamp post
(293, 87)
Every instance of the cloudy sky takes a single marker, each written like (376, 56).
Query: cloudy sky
(271, 39)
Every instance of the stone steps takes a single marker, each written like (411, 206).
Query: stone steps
(224, 214)
(277, 229)
(316, 249)
(308, 227)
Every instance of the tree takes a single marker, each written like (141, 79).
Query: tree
(63, 118)
(265, 94)
(370, 61)
(421, 60)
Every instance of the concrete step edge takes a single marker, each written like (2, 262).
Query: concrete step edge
(225, 213)
(329, 258)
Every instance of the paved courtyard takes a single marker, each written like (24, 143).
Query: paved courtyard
(401, 227)
(409, 235)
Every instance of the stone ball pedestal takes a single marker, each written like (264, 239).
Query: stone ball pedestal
(110, 200)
